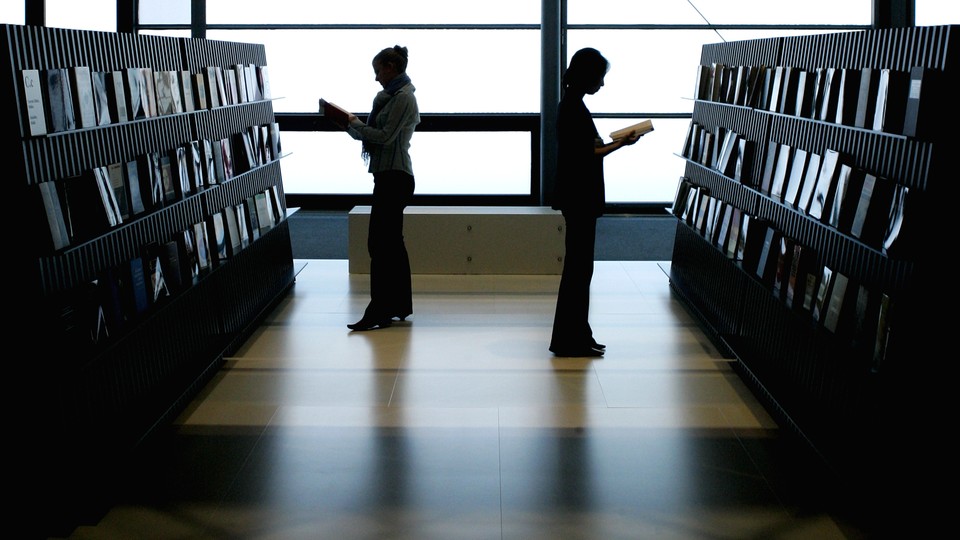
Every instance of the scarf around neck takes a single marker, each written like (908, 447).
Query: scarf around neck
(380, 101)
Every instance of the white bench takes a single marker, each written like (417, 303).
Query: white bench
(470, 239)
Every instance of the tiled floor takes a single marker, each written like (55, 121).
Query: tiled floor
(459, 424)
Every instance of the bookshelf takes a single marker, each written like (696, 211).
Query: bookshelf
(107, 363)
(851, 375)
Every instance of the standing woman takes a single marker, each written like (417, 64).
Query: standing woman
(386, 148)
(581, 199)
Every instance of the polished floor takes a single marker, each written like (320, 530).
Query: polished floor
(459, 424)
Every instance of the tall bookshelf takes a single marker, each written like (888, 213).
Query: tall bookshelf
(852, 392)
(91, 396)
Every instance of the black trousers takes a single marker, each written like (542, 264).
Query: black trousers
(390, 283)
(571, 329)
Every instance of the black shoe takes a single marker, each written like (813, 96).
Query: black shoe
(600, 346)
(402, 316)
(580, 352)
(369, 324)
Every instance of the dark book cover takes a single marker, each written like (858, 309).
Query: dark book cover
(892, 91)
(825, 186)
(721, 228)
(833, 206)
(180, 166)
(740, 92)
(727, 157)
(702, 211)
(157, 279)
(149, 94)
(117, 95)
(186, 91)
(809, 182)
(201, 244)
(794, 183)
(819, 92)
(836, 302)
(217, 236)
(769, 256)
(867, 98)
(924, 102)
(904, 211)
(716, 91)
(811, 285)
(226, 152)
(120, 192)
(168, 177)
(848, 95)
(278, 203)
(781, 274)
(850, 199)
(275, 146)
(873, 210)
(820, 300)
(234, 240)
(740, 252)
(680, 197)
(743, 170)
(882, 332)
(90, 215)
(141, 293)
(266, 219)
(710, 208)
(784, 162)
(200, 91)
(198, 167)
(769, 166)
(732, 239)
(253, 217)
(54, 106)
(800, 284)
(788, 94)
(702, 89)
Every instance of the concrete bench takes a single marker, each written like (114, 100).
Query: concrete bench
(470, 239)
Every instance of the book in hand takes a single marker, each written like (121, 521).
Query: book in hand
(640, 128)
(338, 115)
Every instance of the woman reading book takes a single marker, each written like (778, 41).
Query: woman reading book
(579, 195)
(386, 148)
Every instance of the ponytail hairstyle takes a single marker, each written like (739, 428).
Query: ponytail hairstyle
(395, 56)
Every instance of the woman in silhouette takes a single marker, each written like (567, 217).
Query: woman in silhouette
(386, 147)
(580, 197)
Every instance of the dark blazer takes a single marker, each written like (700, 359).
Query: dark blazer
(580, 185)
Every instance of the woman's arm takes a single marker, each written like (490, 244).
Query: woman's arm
(610, 147)
(401, 113)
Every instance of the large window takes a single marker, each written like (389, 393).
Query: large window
(477, 68)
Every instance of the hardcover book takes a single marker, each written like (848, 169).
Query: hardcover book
(55, 106)
(164, 91)
(138, 284)
(769, 166)
(167, 177)
(769, 256)
(208, 157)
(32, 102)
(836, 302)
(136, 91)
(234, 240)
(186, 91)
(131, 171)
(106, 193)
(197, 165)
(873, 210)
(201, 247)
(805, 87)
(119, 186)
(200, 92)
(217, 232)
(743, 170)
(726, 156)
(732, 238)
(252, 217)
(781, 275)
(149, 95)
(833, 207)
(214, 85)
(784, 162)
(275, 147)
(831, 95)
(263, 79)
(896, 240)
(702, 89)
(226, 152)
(265, 215)
(640, 128)
(338, 115)
(819, 92)
(788, 93)
(180, 165)
(776, 89)
(823, 293)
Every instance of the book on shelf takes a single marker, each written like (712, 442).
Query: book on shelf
(847, 96)
(769, 166)
(229, 86)
(156, 279)
(265, 215)
(117, 95)
(213, 87)
(825, 186)
(217, 234)
(197, 165)
(788, 93)
(702, 89)
(809, 182)
(743, 231)
(243, 224)
(278, 203)
(131, 173)
(56, 223)
(781, 273)
(801, 263)
(849, 199)
(835, 302)
(872, 213)
(639, 128)
(891, 103)
(180, 165)
(716, 80)
(784, 161)
(150, 93)
(208, 159)
(90, 213)
(776, 88)
(882, 332)
(32, 102)
(794, 182)
(101, 98)
(141, 293)
(186, 91)
(743, 168)
(761, 95)
(709, 217)
(189, 266)
(83, 100)
(254, 91)
(107, 193)
(727, 153)
(226, 154)
(820, 300)
(337, 114)
(58, 105)
(742, 75)
(232, 225)
(121, 194)
(867, 97)
(768, 256)
(924, 102)
(732, 238)
(819, 92)
(164, 86)
(170, 255)
(167, 177)
(811, 287)
(680, 196)
(274, 144)
(200, 92)
(201, 242)
(805, 87)
(707, 157)
(722, 226)
(702, 209)
(136, 90)
(240, 74)
(263, 80)
(897, 239)
(253, 218)
(833, 207)
(831, 94)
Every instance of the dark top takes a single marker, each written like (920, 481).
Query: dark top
(580, 186)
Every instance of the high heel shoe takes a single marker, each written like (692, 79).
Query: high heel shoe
(402, 316)
(369, 324)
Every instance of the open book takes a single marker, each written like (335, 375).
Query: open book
(337, 114)
(644, 126)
